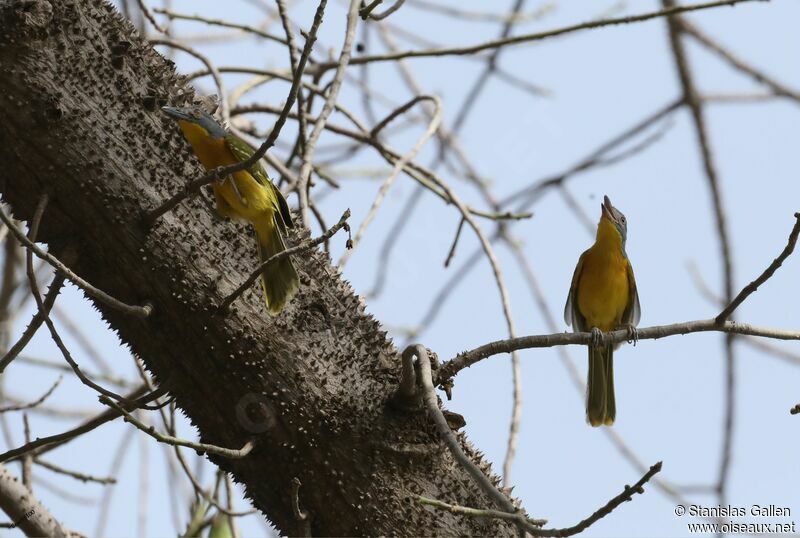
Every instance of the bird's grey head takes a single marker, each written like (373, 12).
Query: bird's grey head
(198, 116)
(617, 219)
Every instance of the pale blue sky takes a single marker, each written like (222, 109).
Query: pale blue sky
(669, 392)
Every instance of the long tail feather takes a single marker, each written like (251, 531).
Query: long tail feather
(279, 280)
(600, 401)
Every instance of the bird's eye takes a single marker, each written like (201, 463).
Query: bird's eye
(623, 220)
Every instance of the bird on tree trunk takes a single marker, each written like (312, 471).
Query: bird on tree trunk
(246, 195)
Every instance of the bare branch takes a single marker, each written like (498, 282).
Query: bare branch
(515, 517)
(766, 275)
(149, 16)
(170, 440)
(36, 322)
(34, 228)
(133, 310)
(45, 444)
(220, 22)
(468, 358)
(533, 526)
(514, 17)
(74, 474)
(528, 38)
(756, 74)
(432, 404)
(366, 11)
(399, 165)
(327, 108)
(223, 94)
(34, 403)
(692, 99)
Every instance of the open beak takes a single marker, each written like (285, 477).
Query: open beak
(607, 208)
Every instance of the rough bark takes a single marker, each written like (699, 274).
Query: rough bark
(79, 98)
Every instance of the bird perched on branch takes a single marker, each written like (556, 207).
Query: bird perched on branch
(246, 195)
(602, 298)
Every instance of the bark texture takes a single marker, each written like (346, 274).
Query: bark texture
(79, 100)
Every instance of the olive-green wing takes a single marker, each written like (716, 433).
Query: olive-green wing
(633, 312)
(572, 315)
(242, 150)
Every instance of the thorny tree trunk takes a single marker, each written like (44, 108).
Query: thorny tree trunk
(79, 97)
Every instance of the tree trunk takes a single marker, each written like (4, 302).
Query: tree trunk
(79, 100)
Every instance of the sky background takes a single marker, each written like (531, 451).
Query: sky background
(669, 391)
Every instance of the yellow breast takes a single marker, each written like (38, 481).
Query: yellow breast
(602, 291)
(248, 199)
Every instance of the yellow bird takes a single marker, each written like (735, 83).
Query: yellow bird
(247, 195)
(602, 298)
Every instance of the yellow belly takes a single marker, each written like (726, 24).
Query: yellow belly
(248, 199)
(603, 289)
(241, 196)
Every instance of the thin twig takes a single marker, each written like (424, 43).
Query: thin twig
(27, 460)
(391, 240)
(502, 74)
(36, 322)
(75, 331)
(233, 453)
(399, 165)
(149, 16)
(756, 74)
(45, 363)
(366, 11)
(223, 94)
(692, 100)
(766, 275)
(527, 38)
(103, 297)
(515, 16)
(116, 464)
(34, 228)
(74, 474)
(229, 504)
(515, 517)
(333, 93)
(528, 195)
(220, 22)
(45, 444)
(481, 81)
(447, 435)
(34, 403)
(533, 526)
(423, 175)
(452, 251)
(294, 57)
(302, 247)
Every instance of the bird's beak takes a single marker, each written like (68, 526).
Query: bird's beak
(176, 113)
(607, 208)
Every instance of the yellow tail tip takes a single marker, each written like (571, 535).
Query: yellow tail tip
(276, 307)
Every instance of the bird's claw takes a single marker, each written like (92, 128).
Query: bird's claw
(597, 336)
(633, 334)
